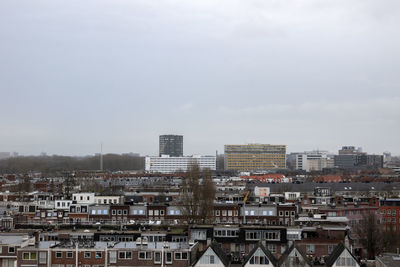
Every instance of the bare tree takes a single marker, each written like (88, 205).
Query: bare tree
(190, 194)
(197, 196)
(207, 197)
(370, 234)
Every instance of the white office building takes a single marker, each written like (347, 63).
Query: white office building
(314, 161)
(167, 164)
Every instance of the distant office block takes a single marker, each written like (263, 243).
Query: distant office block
(171, 145)
(350, 150)
(167, 164)
(349, 157)
(314, 161)
(255, 157)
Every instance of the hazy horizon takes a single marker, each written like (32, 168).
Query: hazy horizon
(307, 74)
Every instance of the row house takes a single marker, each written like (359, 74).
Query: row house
(226, 213)
(96, 254)
(78, 213)
(390, 214)
(108, 199)
(278, 214)
(320, 234)
(236, 242)
(10, 244)
(71, 211)
(354, 213)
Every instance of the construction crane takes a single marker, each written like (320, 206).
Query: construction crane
(244, 205)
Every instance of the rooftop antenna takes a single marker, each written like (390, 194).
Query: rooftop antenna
(101, 156)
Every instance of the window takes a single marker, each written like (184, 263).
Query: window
(157, 257)
(310, 249)
(236, 213)
(272, 235)
(259, 258)
(162, 212)
(330, 249)
(212, 259)
(168, 257)
(125, 255)
(223, 212)
(286, 213)
(119, 212)
(144, 255)
(217, 212)
(150, 212)
(69, 254)
(98, 255)
(29, 255)
(252, 235)
(11, 249)
(113, 257)
(272, 248)
(125, 212)
(281, 213)
(58, 254)
(181, 256)
(42, 257)
(87, 255)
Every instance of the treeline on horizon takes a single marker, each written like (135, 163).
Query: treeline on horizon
(50, 165)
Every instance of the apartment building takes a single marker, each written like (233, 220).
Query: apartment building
(255, 157)
(167, 164)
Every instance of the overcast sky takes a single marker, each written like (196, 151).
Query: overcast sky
(308, 74)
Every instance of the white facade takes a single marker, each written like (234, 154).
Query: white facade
(62, 204)
(313, 161)
(292, 196)
(167, 164)
(209, 258)
(259, 259)
(107, 199)
(83, 198)
(346, 260)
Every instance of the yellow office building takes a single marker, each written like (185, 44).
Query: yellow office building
(255, 157)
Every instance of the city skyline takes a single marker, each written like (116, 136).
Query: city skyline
(308, 74)
(156, 153)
